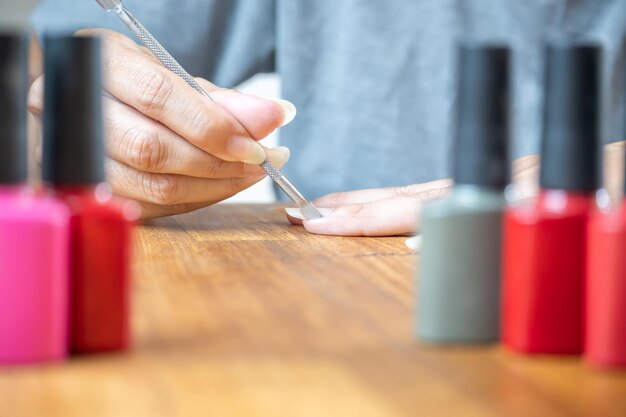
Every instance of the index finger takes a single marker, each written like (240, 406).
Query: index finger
(144, 84)
(425, 191)
(388, 217)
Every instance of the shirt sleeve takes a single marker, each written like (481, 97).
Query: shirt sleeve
(224, 41)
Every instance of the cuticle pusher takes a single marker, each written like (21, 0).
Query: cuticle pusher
(306, 207)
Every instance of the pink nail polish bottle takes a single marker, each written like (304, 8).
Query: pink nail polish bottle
(34, 232)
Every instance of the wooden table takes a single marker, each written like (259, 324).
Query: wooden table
(239, 314)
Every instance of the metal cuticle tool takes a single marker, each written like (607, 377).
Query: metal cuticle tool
(306, 207)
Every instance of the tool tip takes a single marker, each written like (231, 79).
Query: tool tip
(310, 212)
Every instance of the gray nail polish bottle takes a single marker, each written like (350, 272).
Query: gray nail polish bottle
(458, 284)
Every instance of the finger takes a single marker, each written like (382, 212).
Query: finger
(35, 146)
(171, 190)
(295, 216)
(35, 97)
(425, 191)
(259, 116)
(161, 95)
(149, 146)
(35, 111)
(388, 217)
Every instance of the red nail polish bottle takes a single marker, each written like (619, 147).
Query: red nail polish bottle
(545, 243)
(73, 167)
(605, 318)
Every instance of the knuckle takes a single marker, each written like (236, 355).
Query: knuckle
(236, 185)
(144, 149)
(201, 124)
(405, 191)
(421, 194)
(338, 198)
(437, 193)
(154, 89)
(216, 168)
(208, 129)
(159, 189)
(358, 210)
(35, 96)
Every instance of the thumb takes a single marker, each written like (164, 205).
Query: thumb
(259, 116)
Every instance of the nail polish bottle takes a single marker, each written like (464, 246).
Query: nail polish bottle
(73, 168)
(545, 242)
(34, 232)
(605, 312)
(458, 286)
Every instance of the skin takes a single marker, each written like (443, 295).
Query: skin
(168, 147)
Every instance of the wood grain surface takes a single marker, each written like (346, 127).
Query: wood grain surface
(237, 313)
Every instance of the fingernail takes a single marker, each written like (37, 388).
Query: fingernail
(325, 212)
(414, 243)
(278, 156)
(245, 150)
(294, 212)
(289, 111)
(297, 214)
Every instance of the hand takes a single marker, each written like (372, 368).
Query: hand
(168, 147)
(395, 210)
(374, 212)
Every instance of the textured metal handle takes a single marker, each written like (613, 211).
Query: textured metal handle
(157, 49)
(109, 5)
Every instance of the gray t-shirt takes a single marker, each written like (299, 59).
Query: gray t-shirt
(373, 80)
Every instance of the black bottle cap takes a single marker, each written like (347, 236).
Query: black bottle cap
(73, 150)
(624, 125)
(571, 125)
(482, 136)
(13, 107)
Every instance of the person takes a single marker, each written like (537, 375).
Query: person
(373, 82)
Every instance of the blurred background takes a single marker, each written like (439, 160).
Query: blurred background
(268, 86)
(15, 12)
